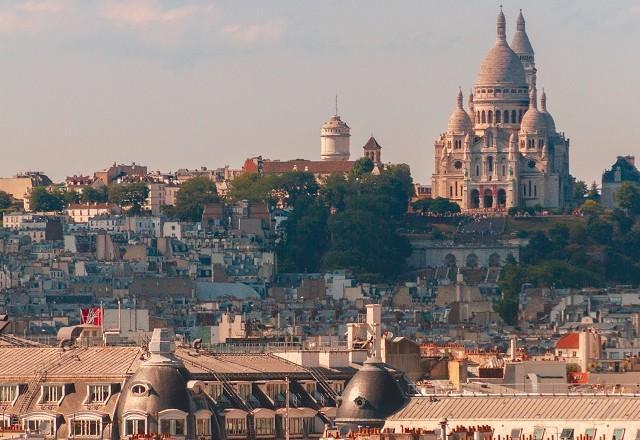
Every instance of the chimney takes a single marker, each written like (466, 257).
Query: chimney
(512, 348)
(584, 352)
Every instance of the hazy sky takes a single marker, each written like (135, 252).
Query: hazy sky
(186, 83)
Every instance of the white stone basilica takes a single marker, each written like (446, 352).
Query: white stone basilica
(503, 151)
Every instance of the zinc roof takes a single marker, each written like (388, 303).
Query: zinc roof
(237, 363)
(77, 362)
(522, 407)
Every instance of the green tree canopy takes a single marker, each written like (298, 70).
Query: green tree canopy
(250, 186)
(71, 196)
(365, 233)
(192, 196)
(306, 237)
(366, 242)
(361, 168)
(628, 197)
(43, 200)
(290, 186)
(129, 195)
(439, 205)
(580, 190)
(594, 192)
(94, 195)
(283, 189)
(6, 200)
(591, 207)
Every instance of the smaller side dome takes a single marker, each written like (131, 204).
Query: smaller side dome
(370, 397)
(533, 121)
(459, 121)
(551, 125)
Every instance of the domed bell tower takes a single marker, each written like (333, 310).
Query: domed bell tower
(335, 138)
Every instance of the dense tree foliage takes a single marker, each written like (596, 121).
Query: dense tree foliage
(364, 233)
(605, 250)
(5, 200)
(580, 190)
(350, 223)
(70, 196)
(130, 196)
(283, 189)
(439, 206)
(43, 200)
(361, 168)
(628, 197)
(306, 237)
(594, 192)
(94, 195)
(192, 196)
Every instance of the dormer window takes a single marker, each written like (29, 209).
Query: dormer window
(8, 393)
(40, 425)
(173, 422)
(98, 393)
(135, 425)
(214, 389)
(86, 426)
(172, 427)
(337, 386)
(51, 394)
(310, 387)
(276, 389)
(243, 390)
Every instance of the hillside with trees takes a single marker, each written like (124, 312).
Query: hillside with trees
(603, 248)
(350, 222)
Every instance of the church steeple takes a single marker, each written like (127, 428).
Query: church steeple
(522, 47)
(501, 28)
(520, 24)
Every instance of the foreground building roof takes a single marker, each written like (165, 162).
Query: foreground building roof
(520, 407)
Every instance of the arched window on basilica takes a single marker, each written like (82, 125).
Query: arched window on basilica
(484, 119)
(513, 116)
(506, 117)
(488, 139)
(489, 117)
(498, 116)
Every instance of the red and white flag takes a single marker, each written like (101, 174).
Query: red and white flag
(91, 316)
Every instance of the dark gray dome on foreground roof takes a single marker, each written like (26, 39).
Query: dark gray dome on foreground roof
(370, 397)
(160, 386)
(164, 387)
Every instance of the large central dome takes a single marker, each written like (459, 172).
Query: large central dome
(501, 66)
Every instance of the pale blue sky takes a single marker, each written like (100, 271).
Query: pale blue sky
(188, 83)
